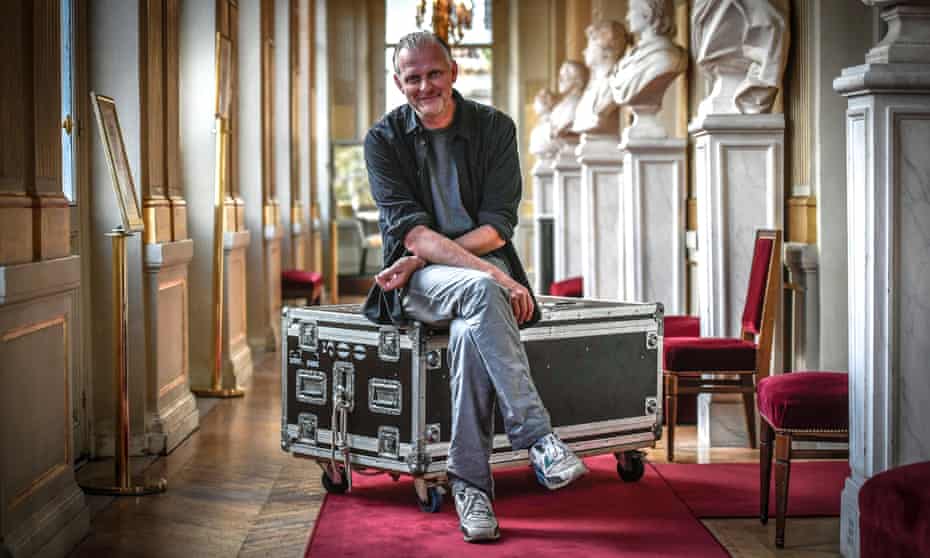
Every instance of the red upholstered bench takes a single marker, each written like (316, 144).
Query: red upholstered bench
(573, 286)
(802, 406)
(894, 513)
(301, 284)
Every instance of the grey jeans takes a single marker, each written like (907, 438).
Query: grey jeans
(486, 362)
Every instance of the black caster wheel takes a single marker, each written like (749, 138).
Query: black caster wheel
(334, 488)
(630, 466)
(433, 502)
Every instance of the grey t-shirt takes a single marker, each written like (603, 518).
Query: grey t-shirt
(451, 217)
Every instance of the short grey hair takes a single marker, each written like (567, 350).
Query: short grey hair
(417, 39)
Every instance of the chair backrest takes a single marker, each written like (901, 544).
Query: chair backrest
(758, 321)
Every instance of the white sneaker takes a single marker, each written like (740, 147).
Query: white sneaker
(476, 516)
(555, 464)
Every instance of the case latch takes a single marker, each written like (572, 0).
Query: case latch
(306, 428)
(389, 441)
(389, 344)
(311, 387)
(652, 341)
(384, 396)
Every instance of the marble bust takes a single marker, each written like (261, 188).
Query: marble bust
(597, 112)
(642, 76)
(541, 142)
(572, 78)
(742, 46)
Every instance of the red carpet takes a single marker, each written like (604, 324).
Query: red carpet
(732, 489)
(598, 516)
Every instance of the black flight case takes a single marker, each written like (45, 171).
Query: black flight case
(356, 395)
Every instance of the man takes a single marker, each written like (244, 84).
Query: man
(445, 174)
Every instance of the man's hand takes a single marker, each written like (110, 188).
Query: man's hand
(520, 299)
(397, 275)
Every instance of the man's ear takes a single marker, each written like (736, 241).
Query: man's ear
(455, 71)
(397, 82)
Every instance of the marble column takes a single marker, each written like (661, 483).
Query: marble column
(566, 179)
(602, 254)
(654, 219)
(739, 169)
(888, 219)
(544, 217)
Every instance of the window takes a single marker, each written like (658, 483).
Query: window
(473, 53)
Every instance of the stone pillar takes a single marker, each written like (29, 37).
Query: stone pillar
(171, 409)
(544, 217)
(738, 168)
(887, 140)
(199, 21)
(567, 206)
(602, 248)
(654, 218)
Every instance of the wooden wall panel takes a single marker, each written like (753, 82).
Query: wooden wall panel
(174, 187)
(15, 90)
(46, 42)
(151, 36)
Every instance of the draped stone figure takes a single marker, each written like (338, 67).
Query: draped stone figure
(742, 45)
(541, 142)
(642, 76)
(572, 78)
(597, 111)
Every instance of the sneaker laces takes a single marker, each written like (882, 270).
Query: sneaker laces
(476, 506)
(552, 449)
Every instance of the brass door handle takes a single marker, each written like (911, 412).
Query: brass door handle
(67, 124)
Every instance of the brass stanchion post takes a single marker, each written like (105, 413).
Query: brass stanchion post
(124, 486)
(219, 229)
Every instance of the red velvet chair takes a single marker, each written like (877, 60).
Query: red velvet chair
(729, 365)
(894, 513)
(573, 287)
(798, 406)
(296, 284)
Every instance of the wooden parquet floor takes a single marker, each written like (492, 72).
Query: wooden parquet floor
(233, 492)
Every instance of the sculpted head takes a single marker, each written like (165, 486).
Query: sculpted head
(607, 41)
(653, 15)
(572, 77)
(544, 101)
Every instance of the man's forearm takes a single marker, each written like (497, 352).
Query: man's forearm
(433, 247)
(481, 241)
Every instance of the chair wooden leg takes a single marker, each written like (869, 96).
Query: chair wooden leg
(749, 409)
(782, 473)
(671, 407)
(765, 470)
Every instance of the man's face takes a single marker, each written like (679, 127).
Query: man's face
(425, 77)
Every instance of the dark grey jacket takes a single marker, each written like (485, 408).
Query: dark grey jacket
(484, 145)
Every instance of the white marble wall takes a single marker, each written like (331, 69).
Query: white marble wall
(602, 253)
(654, 220)
(739, 166)
(568, 216)
(913, 253)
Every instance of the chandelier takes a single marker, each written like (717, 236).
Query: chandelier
(450, 17)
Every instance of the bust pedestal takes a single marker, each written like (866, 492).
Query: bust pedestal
(601, 246)
(738, 167)
(566, 179)
(653, 218)
(544, 220)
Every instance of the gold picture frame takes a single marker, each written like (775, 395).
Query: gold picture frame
(120, 173)
(223, 76)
